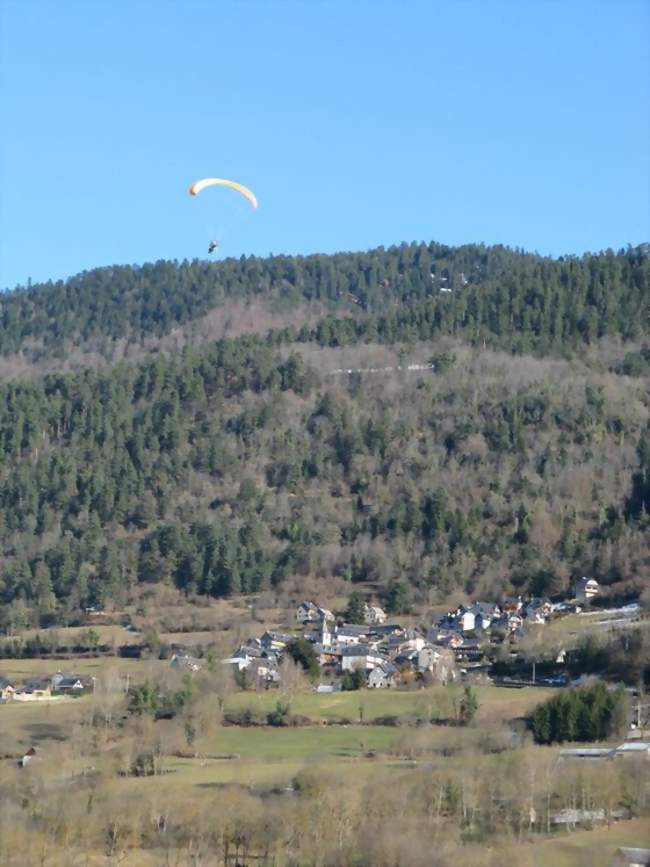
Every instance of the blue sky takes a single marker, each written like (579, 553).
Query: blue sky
(356, 122)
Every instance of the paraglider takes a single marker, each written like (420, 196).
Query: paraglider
(200, 185)
(197, 186)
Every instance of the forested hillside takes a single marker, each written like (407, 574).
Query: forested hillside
(520, 460)
(472, 289)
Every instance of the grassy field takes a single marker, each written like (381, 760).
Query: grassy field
(586, 848)
(266, 756)
(23, 724)
(268, 753)
(568, 630)
(300, 744)
(27, 721)
(495, 703)
(270, 758)
(19, 669)
(71, 635)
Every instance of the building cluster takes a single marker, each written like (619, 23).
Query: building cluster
(44, 687)
(388, 654)
(310, 612)
(469, 629)
(487, 620)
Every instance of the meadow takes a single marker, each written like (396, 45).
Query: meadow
(325, 779)
(583, 848)
(92, 666)
(495, 703)
(272, 757)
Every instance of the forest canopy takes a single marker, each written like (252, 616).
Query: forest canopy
(519, 300)
(517, 459)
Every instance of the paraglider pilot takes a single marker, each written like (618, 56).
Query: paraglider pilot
(214, 245)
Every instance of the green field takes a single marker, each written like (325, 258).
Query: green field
(299, 744)
(266, 755)
(265, 758)
(274, 756)
(495, 703)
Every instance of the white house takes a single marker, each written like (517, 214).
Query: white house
(7, 689)
(263, 670)
(71, 683)
(484, 614)
(427, 657)
(373, 614)
(29, 756)
(307, 612)
(350, 633)
(586, 588)
(242, 658)
(439, 661)
(467, 620)
(359, 656)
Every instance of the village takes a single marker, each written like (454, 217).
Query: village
(384, 655)
(361, 648)
(370, 652)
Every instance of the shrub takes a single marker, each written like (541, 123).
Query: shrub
(468, 705)
(354, 680)
(279, 716)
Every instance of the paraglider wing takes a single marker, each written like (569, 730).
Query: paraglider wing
(197, 186)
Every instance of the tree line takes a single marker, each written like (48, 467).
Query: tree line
(484, 293)
(590, 714)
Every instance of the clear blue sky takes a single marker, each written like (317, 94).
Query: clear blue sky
(356, 122)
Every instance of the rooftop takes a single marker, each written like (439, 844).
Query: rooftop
(634, 747)
(358, 650)
(635, 855)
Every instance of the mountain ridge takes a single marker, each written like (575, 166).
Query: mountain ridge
(519, 459)
(124, 303)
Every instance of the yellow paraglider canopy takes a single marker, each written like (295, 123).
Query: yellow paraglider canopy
(197, 186)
